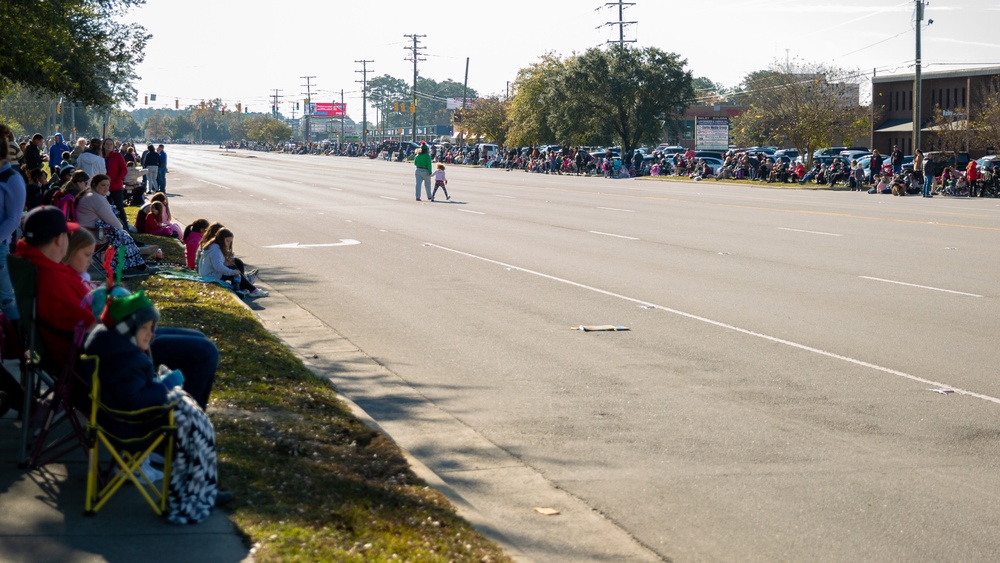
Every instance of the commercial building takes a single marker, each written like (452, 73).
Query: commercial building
(954, 92)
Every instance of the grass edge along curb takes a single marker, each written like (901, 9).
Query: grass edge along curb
(312, 481)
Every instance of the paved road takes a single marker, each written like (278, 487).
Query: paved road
(772, 401)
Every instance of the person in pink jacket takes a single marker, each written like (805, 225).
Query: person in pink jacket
(193, 235)
(156, 222)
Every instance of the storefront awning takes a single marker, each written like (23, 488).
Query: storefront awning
(895, 126)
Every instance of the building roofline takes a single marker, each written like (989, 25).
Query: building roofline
(981, 71)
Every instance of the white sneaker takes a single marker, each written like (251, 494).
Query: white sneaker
(258, 293)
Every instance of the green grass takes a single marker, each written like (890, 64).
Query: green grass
(312, 483)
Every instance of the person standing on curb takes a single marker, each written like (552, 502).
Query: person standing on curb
(424, 169)
(161, 172)
(896, 158)
(928, 170)
(114, 163)
(151, 164)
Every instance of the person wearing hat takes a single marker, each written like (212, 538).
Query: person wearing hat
(56, 151)
(122, 340)
(130, 381)
(44, 243)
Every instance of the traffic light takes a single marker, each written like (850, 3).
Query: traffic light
(223, 110)
(59, 108)
(203, 104)
(246, 109)
(147, 100)
(177, 104)
(239, 107)
(413, 108)
(296, 106)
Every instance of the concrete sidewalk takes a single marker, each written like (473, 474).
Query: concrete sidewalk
(42, 518)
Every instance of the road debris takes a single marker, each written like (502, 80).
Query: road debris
(596, 328)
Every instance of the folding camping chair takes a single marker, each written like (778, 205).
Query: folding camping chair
(129, 437)
(51, 422)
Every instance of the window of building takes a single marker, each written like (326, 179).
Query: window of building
(933, 101)
(947, 94)
(964, 98)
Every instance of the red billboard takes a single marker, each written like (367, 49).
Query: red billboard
(327, 109)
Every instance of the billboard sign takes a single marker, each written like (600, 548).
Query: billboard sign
(712, 133)
(455, 103)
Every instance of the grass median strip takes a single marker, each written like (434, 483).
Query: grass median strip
(312, 483)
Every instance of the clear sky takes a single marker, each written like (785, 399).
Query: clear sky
(242, 51)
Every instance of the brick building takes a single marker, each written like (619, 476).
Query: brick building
(955, 92)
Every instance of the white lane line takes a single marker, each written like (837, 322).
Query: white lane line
(387, 197)
(213, 184)
(727, 326)
(612, 235)
(616, 209)
(921, 286)
(470, 211)
(810, 232)
(505, 196)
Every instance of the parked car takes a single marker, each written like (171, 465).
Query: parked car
(854, 154)
(710, 154)
(988, 162)
(714, 163)
(670, 149)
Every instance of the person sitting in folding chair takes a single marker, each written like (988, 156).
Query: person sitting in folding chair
(60, 288)
(129, 381)
(63, 303)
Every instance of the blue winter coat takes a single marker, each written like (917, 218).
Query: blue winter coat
(127, 375)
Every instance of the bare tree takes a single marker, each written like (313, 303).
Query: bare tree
(811, 105)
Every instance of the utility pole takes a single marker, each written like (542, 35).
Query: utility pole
(274, 104)
(343, 118)
(364, 100)
(306, 111)
(916, 80)
(465, 91)
(621, 23)
(415, 57)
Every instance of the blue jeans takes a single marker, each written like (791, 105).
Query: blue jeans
(191, 352)
(928, 183)
(8, 304)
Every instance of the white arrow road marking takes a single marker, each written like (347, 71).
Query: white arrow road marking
(343, 242)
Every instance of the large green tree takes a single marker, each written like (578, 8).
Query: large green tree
(73, 48)
(811, 105)
(621, 92)
(487, 119)
(528, 110)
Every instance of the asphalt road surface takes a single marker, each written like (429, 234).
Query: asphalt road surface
(807, 375)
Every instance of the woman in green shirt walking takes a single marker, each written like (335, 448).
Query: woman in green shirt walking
(424, 170)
